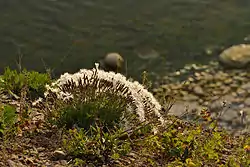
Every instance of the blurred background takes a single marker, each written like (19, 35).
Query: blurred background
(158, 36)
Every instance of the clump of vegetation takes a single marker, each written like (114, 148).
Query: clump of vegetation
(96, 146)
(179, 144)
(8, 118)
(186, 144)
(13, 81)
(103, 96)
(106, 108)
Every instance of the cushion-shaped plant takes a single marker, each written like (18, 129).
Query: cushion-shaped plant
(97, 93)
(14, 81)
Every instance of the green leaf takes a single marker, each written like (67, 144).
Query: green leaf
(9, 116)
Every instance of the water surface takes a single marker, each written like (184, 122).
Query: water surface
(157, 36)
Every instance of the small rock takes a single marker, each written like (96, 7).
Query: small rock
(196, 74)
(198, 90)
(228, 81)
(237, 56)
(230, 114)
(181, 107)
(183, 93)
(216, 106)
(191, 79)
(201, 101)
(246, 86)
(190, 97)
(234, 85)
(241, 92)
(225, 90)
(218, 84)
(215, 92)
(214, 98)
(112, 62)
(247, 101)
(177, 73)
(234, 94)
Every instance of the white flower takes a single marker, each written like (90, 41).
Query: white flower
(143, 101)
(37, 101)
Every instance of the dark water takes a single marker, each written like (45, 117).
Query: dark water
(72, 34)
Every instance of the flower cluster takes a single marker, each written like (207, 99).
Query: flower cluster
(139, 99)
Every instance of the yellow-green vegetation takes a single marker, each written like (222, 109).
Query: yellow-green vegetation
(13, 82)
(86, 128)
(8, 118)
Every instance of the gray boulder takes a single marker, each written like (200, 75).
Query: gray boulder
(237, 56)
(112, 62)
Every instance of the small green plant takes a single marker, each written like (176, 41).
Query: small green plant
(145, 80)
(108, 109)
(81, 99)
(13, 82)
(96, 146)
(8, 118)
(87, 85)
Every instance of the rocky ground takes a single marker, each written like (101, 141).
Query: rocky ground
(224, 92)
(33, 144)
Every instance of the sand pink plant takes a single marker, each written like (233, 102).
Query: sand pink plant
(140, 100)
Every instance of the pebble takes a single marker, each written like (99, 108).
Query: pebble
(191, 79)
(246, 86)
(198, 90)
(234, 85)
(190, 97)
(241, 92)
(247, 101)
(237, 56)
(218, 84)
(234, 94)
(228, 81)
(226, 90)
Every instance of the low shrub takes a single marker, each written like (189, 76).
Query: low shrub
(90, 95)
(8, 118)
(13, 82)
(187, 144)
(96, 146)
